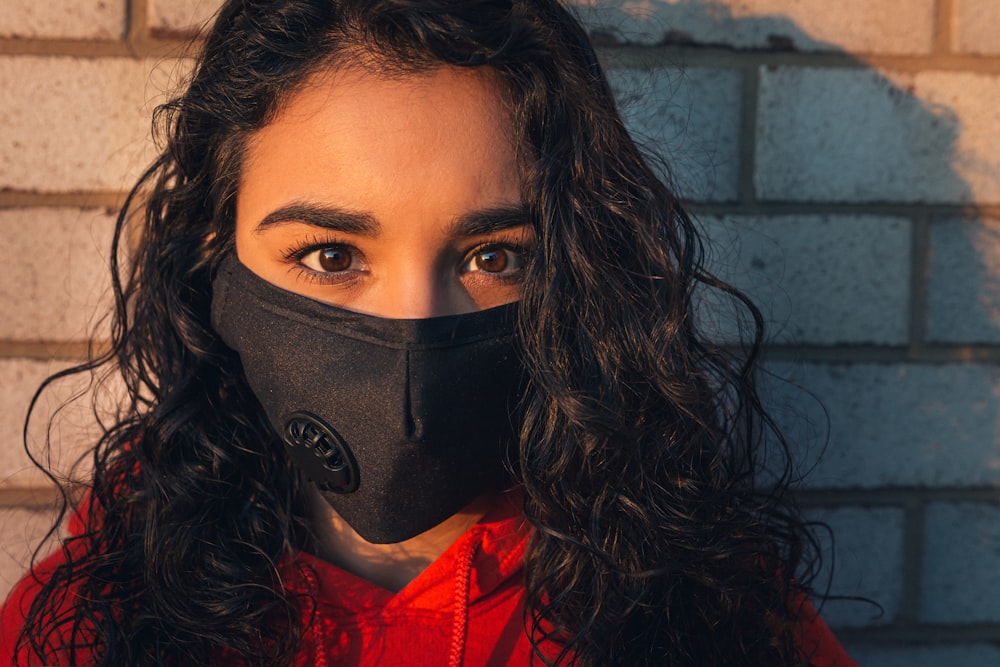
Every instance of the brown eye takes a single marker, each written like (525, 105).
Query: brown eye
(334, 259)
(491, 261)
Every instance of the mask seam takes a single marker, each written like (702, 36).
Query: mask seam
(305, 320)
(267, 293)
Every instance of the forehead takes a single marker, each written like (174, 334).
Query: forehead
(353, 128)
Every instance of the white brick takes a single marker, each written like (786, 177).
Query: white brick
(56, 279)
(73, 431)
(819, 280)
(63, 19)
(867, 560)
(856, 26)
(891, 425)
(21, 531)
(971, 655)
(961, 582)
(963, 300)
(71, 124)
(690, 118)
(975, 25)
(181, 16)
(862, 135)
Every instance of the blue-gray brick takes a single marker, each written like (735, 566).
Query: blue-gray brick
(819, 280)
(690, 118)
(961, 582)
(892, 424)
(968, 655)
(804, 25)
(963, 297)
(858, 135)
(867, 560)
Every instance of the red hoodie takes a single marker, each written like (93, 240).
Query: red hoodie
(466, 608)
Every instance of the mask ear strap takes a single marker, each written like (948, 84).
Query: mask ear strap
(321, 452)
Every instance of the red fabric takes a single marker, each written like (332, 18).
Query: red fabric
(466, 608)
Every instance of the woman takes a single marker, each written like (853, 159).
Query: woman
(414, 375)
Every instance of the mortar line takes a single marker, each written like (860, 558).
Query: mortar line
(943, 37)
(63, 350)
(896, 209)
(748, 136)
(844, 354)
(919, 279)
(109, 199)
(899, 496)
(717, 57)
(30, 497)
(142, 43)
(923, 634)
(914, 531)
(137, 22)
(76, 48)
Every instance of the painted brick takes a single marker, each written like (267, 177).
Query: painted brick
(963, 299)
(72, 432)
(970, 655)
(55, 278)
(21, 531)
(974, 26)
(71, 124)
(961, 582)
(63, 19)
(819, 280)
(857, 26)
(867, 559)
(890, 425)
(183, 17)
(864, 135)
(691, 119)
(806, 25)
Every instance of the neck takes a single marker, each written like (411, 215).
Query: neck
(391, 566)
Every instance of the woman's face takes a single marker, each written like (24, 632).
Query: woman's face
(397, 197)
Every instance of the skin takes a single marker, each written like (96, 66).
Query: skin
(397, 197)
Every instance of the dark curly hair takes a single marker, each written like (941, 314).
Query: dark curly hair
(655, 540)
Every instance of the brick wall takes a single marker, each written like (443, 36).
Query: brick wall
(843, 158)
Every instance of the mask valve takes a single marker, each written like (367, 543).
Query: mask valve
(322, 453)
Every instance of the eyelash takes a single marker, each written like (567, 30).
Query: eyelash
(294, 254)
(510, 243)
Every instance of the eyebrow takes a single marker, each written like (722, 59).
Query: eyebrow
(493, 219)
(473, 223)
(319, 215)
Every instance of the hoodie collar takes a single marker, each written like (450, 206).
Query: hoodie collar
(490, 553)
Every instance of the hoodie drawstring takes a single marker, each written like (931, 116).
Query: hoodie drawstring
(460, 629)
(314, 626)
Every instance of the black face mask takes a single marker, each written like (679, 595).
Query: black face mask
(400, 423)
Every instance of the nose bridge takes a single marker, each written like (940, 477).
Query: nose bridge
(415, 291)
(419, 285)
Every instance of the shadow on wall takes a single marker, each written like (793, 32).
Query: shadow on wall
(823, 233)
(846, 134)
